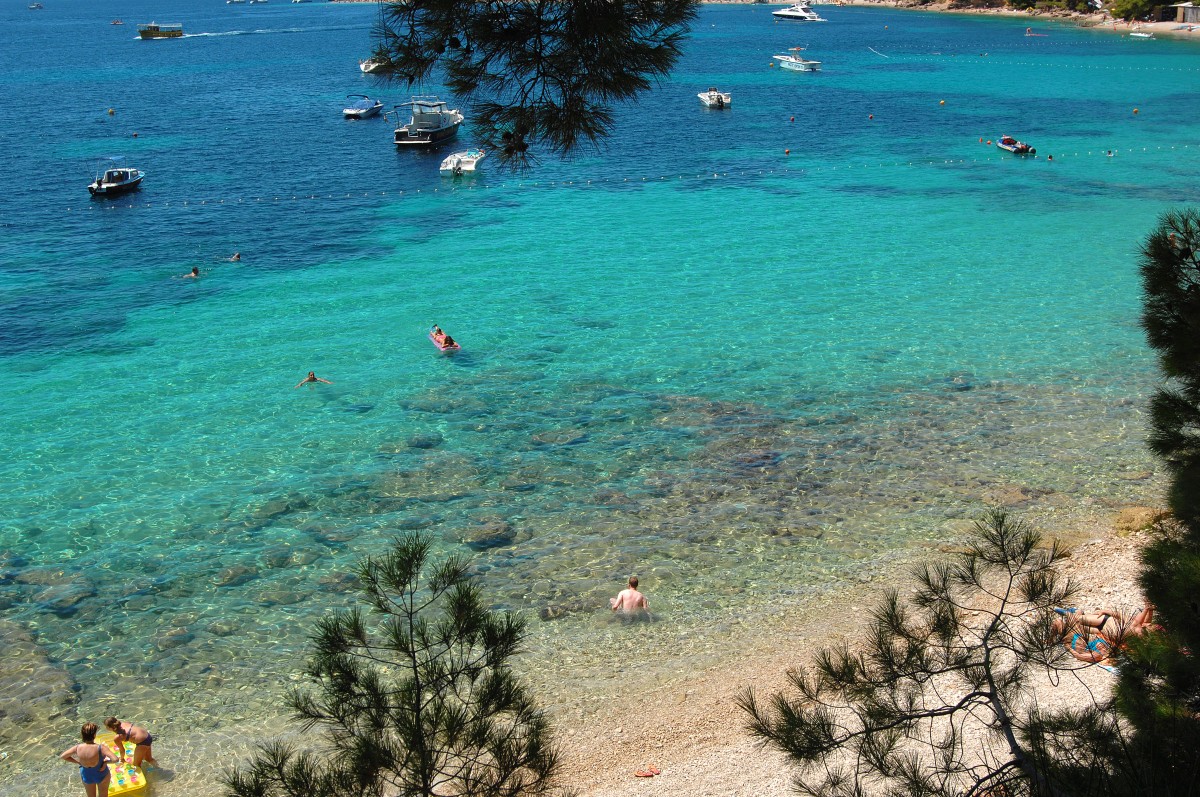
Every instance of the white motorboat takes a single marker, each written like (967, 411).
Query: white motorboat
(371, 65)
(461, 162)
(362, 107)
(114, 177)
(1138, 33)
(797, 63)
(715, 99)
(801, 12)
(432, 122)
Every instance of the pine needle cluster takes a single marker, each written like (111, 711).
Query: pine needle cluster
(417, 702)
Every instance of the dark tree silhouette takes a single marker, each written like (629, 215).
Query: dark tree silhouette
(534, 71)
(1160, 694)
(936, 698)
(419, 703)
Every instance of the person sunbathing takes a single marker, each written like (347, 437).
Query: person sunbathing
(1095, 636)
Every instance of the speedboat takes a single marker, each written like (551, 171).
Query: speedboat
(461, 162)
(116, 22)
(114, 177)
(362, 107)
(371, 65)
(801, 12)
(432, 123)
(715, 99)
(1015, 147)
(797, 63)
(35, 6)
(153, 30)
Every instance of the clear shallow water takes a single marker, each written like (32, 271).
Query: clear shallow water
(748, 376)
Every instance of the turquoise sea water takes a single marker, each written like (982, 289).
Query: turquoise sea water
(751, 359)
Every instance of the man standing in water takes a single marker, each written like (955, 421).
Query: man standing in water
(630, 602)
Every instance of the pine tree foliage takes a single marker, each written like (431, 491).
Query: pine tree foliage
(937, 699)
(546, 71)
(416, 701)
(1160, 693)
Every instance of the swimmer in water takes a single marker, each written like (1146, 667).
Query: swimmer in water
(312, 377)
(630, 603)
(193, 274)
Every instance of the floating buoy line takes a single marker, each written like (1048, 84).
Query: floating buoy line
(798, 169)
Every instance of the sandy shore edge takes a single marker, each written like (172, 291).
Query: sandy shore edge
(693, 731)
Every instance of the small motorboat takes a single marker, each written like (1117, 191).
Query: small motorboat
(797, 63)
(116, 22)
(715, 99)
(370, 66)
(114, 177)
(800, 12)
(35, 6)
(462, 162)
(432, 123)
(440, 338)
(1138, 33)
(362, 107)
(1015, 147)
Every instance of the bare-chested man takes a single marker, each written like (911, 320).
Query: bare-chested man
(630, 602)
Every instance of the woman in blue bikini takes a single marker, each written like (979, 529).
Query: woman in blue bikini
(1094, 635)
(95, 775)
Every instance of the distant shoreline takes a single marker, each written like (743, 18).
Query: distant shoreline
(1098, 21)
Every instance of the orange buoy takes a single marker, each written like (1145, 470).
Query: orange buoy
(989, 142)
(870, 116)
(981, 139)
(1135, 110)
(941, 102)
(787, 152)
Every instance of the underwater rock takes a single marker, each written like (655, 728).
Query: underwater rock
(1014, 496)
(431, 440)
(37, 693)
(560, 437)
(493, 534)
(235, 575)
(223, 627)
(173, 638)
(64, 599)
(43, 576)
(276, 557)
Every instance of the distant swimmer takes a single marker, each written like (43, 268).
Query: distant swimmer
(193, 274)
(235, 257)
(631, 603)
(312, 377)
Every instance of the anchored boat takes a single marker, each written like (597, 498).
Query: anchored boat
(114, 177)
(432, 122)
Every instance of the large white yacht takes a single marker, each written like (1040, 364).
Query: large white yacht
(801, 12)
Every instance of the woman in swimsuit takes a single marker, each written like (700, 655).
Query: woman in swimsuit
(95, 775)
(140, 737)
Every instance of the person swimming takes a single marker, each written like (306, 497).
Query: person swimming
(312, 377)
